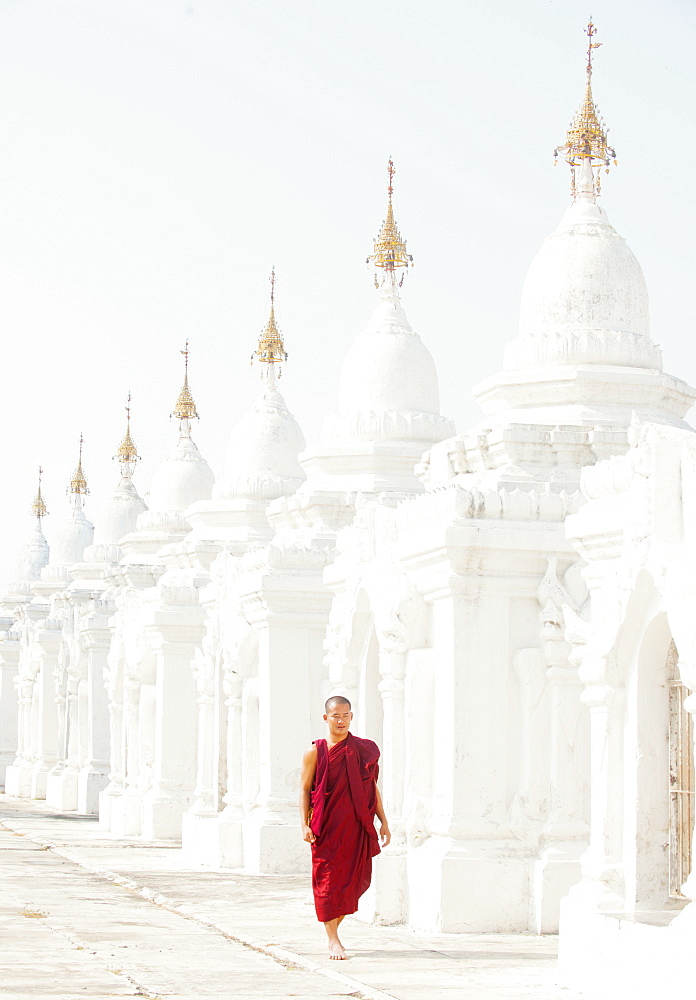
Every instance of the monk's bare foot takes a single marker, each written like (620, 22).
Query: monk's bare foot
(336, 949)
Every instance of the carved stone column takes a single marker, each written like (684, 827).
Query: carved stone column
(285, 600)
(48, 638)
(204, 792)
(174, 629)
(113, 692)
(10, 710)
(96, 720)
(126, 809)
(387, 900)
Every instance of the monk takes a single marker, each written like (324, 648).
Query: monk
(339, 800)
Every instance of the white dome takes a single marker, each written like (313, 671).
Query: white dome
(118, 516)
(181, 479)
(388, 367)
(262, 451)
(71, 539)
(584, 300)
(33, 556)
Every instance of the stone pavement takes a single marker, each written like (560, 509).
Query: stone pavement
(83, 915)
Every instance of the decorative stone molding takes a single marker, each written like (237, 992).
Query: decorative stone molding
(387, 425)
(514, 505)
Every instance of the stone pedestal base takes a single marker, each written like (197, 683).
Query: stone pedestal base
(211, 840)
(7, 758)
(106, 802)
(274, 848)
(622, 956)
(18, 781)
(61, 790)
(90, 783)
(126, 814)
(386, 901)
(554, 874)
(460, 887)
(39, 777)
(162, 812)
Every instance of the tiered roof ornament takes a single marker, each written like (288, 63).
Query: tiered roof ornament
(78, 483)
(185, 409)
(586, 147)
(389, 249)
(271, 350)
(38, 507)
(127, 453)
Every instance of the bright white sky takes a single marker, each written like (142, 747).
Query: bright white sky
(159, 156)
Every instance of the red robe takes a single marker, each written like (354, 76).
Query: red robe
(343, 801)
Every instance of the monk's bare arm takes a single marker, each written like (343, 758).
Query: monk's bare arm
(384, 832)
(309, 766)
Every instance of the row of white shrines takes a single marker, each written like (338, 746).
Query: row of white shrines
(512, 612)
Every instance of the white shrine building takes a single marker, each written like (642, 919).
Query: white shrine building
(511, 611)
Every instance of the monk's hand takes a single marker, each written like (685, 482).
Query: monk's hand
(307, 834)
(384, 834)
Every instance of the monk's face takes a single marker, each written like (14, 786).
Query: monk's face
(338, 720)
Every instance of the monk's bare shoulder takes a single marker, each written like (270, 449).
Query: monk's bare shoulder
(309, 767)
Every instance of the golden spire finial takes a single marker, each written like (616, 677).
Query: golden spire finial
(78, 483)
(271, 350)
(38, 507)
(185, 408)
(390, 250)
(127, 452)
(587, 138)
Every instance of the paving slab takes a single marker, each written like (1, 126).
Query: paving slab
(85, 914)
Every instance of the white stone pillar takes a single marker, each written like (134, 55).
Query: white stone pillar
(174, 634)
(94, 770)
(602, 882)
(61, 783)
(9, 703)
(126, 809)
(469, 873)
(288, 605)
(566, 830)
(115, 787)
(48, 638)
(387, 900)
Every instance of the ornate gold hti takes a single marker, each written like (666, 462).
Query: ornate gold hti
(78, 483)
(127, 452)
(587, 137)
(38, 507)
(271, 349)
(389, 249)
(185, 408)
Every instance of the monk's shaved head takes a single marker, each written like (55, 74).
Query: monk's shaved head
(336, 699)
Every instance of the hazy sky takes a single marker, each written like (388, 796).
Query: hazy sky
(157, 158)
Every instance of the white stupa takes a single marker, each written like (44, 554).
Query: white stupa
(32, 557)
(75, 534)
(261, 461)
(583, 354)
(388, 399)
(183, 478)
(34, 554)
(119, 515)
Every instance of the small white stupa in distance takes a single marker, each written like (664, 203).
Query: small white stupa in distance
(184, 476)
(261, 460)
(119, 515)
(75, 533)
(34, 554)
